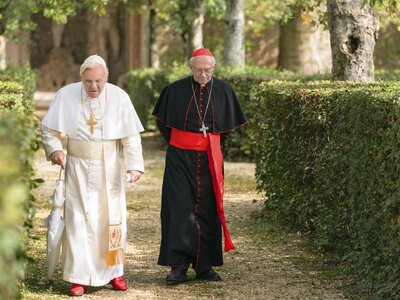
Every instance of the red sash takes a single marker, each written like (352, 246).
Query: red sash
(211, 144)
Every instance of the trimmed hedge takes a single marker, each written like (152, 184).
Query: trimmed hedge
(19, 140)
(328, 159)
(12, 97)
(239, 144)
(14, 202)
(144, 86)
(25, 77)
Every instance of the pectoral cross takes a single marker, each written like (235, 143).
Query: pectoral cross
(204, 129)
(91, 122)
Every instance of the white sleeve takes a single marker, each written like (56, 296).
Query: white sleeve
(51, 140)
(132, 147)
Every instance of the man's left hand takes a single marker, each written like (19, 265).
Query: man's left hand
(133, 175)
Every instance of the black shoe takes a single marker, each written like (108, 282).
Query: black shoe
(209, 275)
(177, 274)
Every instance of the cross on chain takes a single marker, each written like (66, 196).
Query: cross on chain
(204, 129)
(91, 122)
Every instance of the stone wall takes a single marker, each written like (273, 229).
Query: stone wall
(304, 48)
(59, 50)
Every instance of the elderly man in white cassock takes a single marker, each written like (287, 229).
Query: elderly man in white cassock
(100, 122)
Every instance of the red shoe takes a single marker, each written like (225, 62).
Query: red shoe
(119, 284)
(77, 289)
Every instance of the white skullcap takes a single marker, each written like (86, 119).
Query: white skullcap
(93, 61)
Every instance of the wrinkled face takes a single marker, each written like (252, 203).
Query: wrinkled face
(202, 67)
(94, 80)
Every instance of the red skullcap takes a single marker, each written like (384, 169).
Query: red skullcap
(202, 51)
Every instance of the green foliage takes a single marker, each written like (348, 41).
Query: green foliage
(216, 8)
(387, 75)
(25, 77)
(262, 14)
(327, 156)
(388, 10)
(12, 96)
(18, 141)
(179, 14)
(370, 2)
(239, 146)
(15, 16)
(13, 198)
(144, 87)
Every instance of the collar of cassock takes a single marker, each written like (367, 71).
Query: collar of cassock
(196, 84)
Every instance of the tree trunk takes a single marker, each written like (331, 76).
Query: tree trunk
(3, 63)
(197, 26)
(234, 33)
(354, 32)
(154, 58)
(304, 48)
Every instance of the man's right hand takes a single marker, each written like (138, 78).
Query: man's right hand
(58, 158)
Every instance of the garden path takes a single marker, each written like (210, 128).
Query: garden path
(268, 264)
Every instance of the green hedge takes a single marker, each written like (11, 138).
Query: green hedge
(145, 85)
(239, 146)
(328, 159)
(387, 75)
(14, 202)
(25, 77)
(12, 97)
(18, 141)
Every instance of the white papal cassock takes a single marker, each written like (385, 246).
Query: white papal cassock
(95, 197)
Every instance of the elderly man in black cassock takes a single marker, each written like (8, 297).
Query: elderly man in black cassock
(194, 114)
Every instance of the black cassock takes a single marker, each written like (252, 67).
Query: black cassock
(191, 229)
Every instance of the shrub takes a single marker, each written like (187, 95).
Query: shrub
(22, 75)
(14, 199)
(327, 157)
(144, 87)
(18, 141)
(239, 146)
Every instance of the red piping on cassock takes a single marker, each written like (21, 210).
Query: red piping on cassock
(211, 144)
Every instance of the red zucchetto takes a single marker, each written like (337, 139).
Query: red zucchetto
(202, 51)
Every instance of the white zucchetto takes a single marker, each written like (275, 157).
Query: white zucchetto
(91, 62)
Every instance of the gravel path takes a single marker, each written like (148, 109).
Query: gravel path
(266, 265)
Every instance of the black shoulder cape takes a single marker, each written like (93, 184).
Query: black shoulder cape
(176, 100)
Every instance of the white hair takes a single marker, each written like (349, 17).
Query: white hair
(211, 57)
(91, 62)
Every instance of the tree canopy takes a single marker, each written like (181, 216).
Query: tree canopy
(15, 15)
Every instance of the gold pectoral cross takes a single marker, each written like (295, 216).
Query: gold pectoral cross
(91, 122)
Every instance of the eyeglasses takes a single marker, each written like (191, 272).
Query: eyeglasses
(200, 71)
